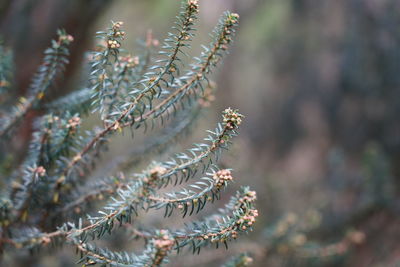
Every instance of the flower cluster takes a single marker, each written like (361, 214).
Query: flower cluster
(221, 235)
(40, 171)
(116, 33)
(193, 5)
(221, 177)
(232, 118)
(113, 44)
(165, 242)
(242, 221)
(74, 122)
(37, 172)
(65, 39)
(163, 245)
(249, 197)
(155, 173)
(150, 181)
(232, 19)
(226, 37)
(116, 27)
(192, 8)
(128, 61)
(248, 219)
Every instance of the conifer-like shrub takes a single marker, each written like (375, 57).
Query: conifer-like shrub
(50, 199)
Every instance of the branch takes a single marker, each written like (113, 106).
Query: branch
(54, 62)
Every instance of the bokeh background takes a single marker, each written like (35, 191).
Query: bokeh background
(319, 84)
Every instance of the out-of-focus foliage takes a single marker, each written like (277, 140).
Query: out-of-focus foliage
(322, 83)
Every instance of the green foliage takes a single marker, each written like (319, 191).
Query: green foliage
(6, 71)
(54, 62)
(52, 187)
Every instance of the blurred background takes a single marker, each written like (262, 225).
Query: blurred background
(319, 84)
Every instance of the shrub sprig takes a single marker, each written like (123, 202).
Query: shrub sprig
(54, 185)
